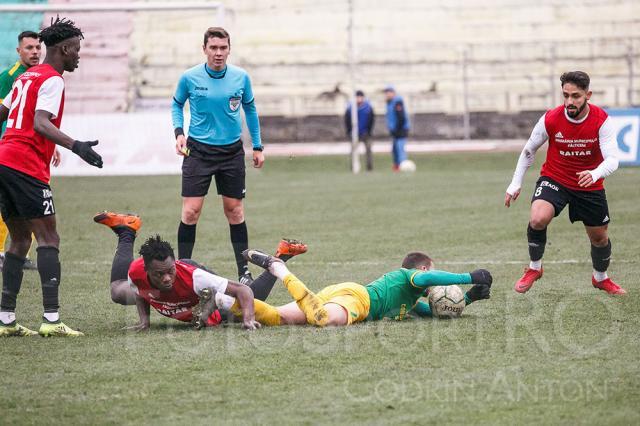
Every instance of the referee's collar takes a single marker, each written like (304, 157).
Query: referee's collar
(215, 74)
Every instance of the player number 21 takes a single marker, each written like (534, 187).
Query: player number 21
(48, 207)
(19, 102)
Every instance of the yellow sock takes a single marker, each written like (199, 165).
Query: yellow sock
(4, 232)
(307, 301)
(265, 313)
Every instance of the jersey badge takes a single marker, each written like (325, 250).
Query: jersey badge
(559, 135)
(234, 103)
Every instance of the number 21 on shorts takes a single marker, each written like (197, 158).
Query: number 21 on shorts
(47, 204)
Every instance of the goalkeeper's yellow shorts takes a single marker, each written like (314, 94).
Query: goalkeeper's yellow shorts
(353, 297)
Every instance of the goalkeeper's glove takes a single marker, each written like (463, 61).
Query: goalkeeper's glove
(481, 276)
(478, 292)
(84, 151)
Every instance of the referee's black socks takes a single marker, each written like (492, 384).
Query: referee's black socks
(186, 240)
(240, 242)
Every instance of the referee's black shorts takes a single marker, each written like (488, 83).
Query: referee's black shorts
(204, 161)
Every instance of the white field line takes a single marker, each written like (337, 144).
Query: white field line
(337, 148)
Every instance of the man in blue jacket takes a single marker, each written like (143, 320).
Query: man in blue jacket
(366, 119)
(398, 125)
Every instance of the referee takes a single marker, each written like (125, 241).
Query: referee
(215, 91)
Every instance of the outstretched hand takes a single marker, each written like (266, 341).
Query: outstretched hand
(481, 276)
(84, 151)
(479, 292)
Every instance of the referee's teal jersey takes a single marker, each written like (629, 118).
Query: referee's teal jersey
(214, 99)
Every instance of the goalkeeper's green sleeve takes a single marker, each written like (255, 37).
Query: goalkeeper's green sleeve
(434, 278)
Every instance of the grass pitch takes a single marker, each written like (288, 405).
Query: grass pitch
(562, 353)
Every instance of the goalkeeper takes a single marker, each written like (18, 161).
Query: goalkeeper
(393, 295)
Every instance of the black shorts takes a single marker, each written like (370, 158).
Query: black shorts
(589, 207)
(226, 163)
(23, 196)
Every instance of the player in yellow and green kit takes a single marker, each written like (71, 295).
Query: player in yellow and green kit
(29, 55)
(28, 49)
(393, 295)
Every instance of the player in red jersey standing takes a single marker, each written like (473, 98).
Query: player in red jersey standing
(33, 111)
(581, 153)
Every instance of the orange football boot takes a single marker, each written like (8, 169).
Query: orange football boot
(117, 220)
(290, 247)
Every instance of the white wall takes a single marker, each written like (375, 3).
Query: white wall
(130, 144)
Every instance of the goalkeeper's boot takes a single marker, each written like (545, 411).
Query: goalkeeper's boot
(57, 329)
(204, 309)
(287, 248)
(260, 258)
(528, 278)
(14, 329)
(608, 286)
(118, 221)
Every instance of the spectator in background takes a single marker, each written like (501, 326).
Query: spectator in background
(29, 50)
(366, 119)
(398, 125)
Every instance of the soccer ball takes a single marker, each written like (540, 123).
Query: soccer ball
(446, 301)
(407, 166)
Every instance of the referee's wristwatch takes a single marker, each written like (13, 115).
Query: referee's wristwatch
(258, 148)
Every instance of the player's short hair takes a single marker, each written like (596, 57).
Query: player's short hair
(27, 34)
(60, 30)
(217, 32)
(579, 78)
(415, 259)
(155, 248)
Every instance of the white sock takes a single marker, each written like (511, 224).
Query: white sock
(279, 269)
(600, 276)
(535, 264)
(7, 317)
(51, 316)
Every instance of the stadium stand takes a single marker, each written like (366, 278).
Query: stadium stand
(102, 82)
(296, 51)
(12, 24)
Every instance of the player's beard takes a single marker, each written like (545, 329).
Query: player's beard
(573, 113)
